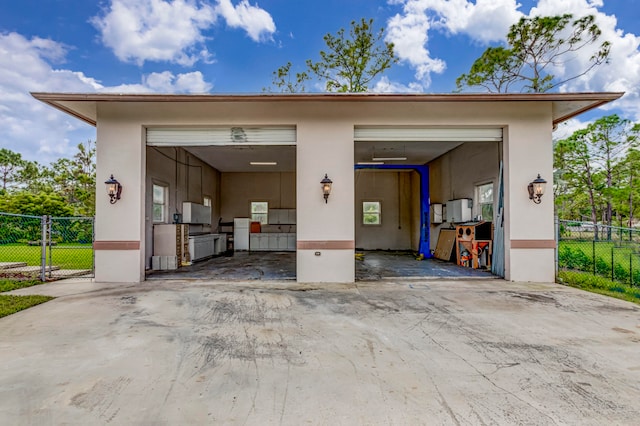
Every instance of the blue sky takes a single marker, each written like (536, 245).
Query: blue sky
(233, 46)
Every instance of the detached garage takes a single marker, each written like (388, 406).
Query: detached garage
(389, 165)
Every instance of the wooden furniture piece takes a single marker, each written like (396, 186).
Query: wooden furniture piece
(473, 244)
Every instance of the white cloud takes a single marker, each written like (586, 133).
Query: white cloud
(156, 30)
(40, 132)
(384, 85)
(487, 21)
(567, 128)
(621, 74)
(409, 35)
(173, 31)
(483, 21)
(255, 21)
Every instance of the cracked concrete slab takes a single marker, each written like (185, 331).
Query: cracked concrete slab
(393, 352)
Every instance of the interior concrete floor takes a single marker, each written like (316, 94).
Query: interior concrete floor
(374, 266)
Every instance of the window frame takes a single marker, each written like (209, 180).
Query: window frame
(265, 213)
(164, 204)
(479, 205)
(378, 213)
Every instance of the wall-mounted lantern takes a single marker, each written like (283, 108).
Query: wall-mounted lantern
(114, 189)
(536, 189)
(326, 187)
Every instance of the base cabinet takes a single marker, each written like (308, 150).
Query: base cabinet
(274, 241)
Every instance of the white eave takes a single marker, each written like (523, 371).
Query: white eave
(565, 105)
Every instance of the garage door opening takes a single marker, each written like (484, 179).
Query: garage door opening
(228, 202)
(401, 216)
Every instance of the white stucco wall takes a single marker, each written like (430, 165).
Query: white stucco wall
(121, 225)
(529, 151)
(325, 145)
(326, 246)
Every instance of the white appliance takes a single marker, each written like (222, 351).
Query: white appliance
(241, 233)
(459, 210)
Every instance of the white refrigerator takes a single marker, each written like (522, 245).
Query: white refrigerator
(241, 233)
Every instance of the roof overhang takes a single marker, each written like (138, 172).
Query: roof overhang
(565, 105)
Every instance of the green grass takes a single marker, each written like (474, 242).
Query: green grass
(10, 304)
(67, 256)
(600, 285)
(621, 255)
(8, 285)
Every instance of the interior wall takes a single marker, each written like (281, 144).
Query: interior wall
(187, 178)
(394, 191)
(456, 174)
(239, 189)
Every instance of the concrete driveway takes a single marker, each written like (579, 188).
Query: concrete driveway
(262, 353)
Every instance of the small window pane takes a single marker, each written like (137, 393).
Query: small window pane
(487, 212)
(158, 213)
(371, 212)
(159, 204)
(158, 194)
(206, 201)
(485, 193)
(485, 201)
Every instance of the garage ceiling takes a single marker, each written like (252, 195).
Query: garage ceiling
(238, 158)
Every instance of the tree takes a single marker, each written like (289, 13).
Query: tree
(24, 202)
(595, 161)
(72, 179)
(10, 165)
(349, 64)
(283, 79)
(535, 47)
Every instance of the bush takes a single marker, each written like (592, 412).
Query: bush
(573, 259)
(603, 267)
(620, 273)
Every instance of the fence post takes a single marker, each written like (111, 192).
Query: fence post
(631, 269)
(593, 255)
(43, 248)
(49, 241)
(612, 274)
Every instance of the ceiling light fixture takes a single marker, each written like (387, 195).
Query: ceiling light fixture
(389, 158)
(263, 163)
(370, 163)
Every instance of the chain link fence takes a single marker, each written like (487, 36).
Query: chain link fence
(46, 247)
(608, 251)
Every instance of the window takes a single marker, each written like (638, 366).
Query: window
(206, 201)
(159, 203)
(485, 201)
(371, 212)
(260, 212)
